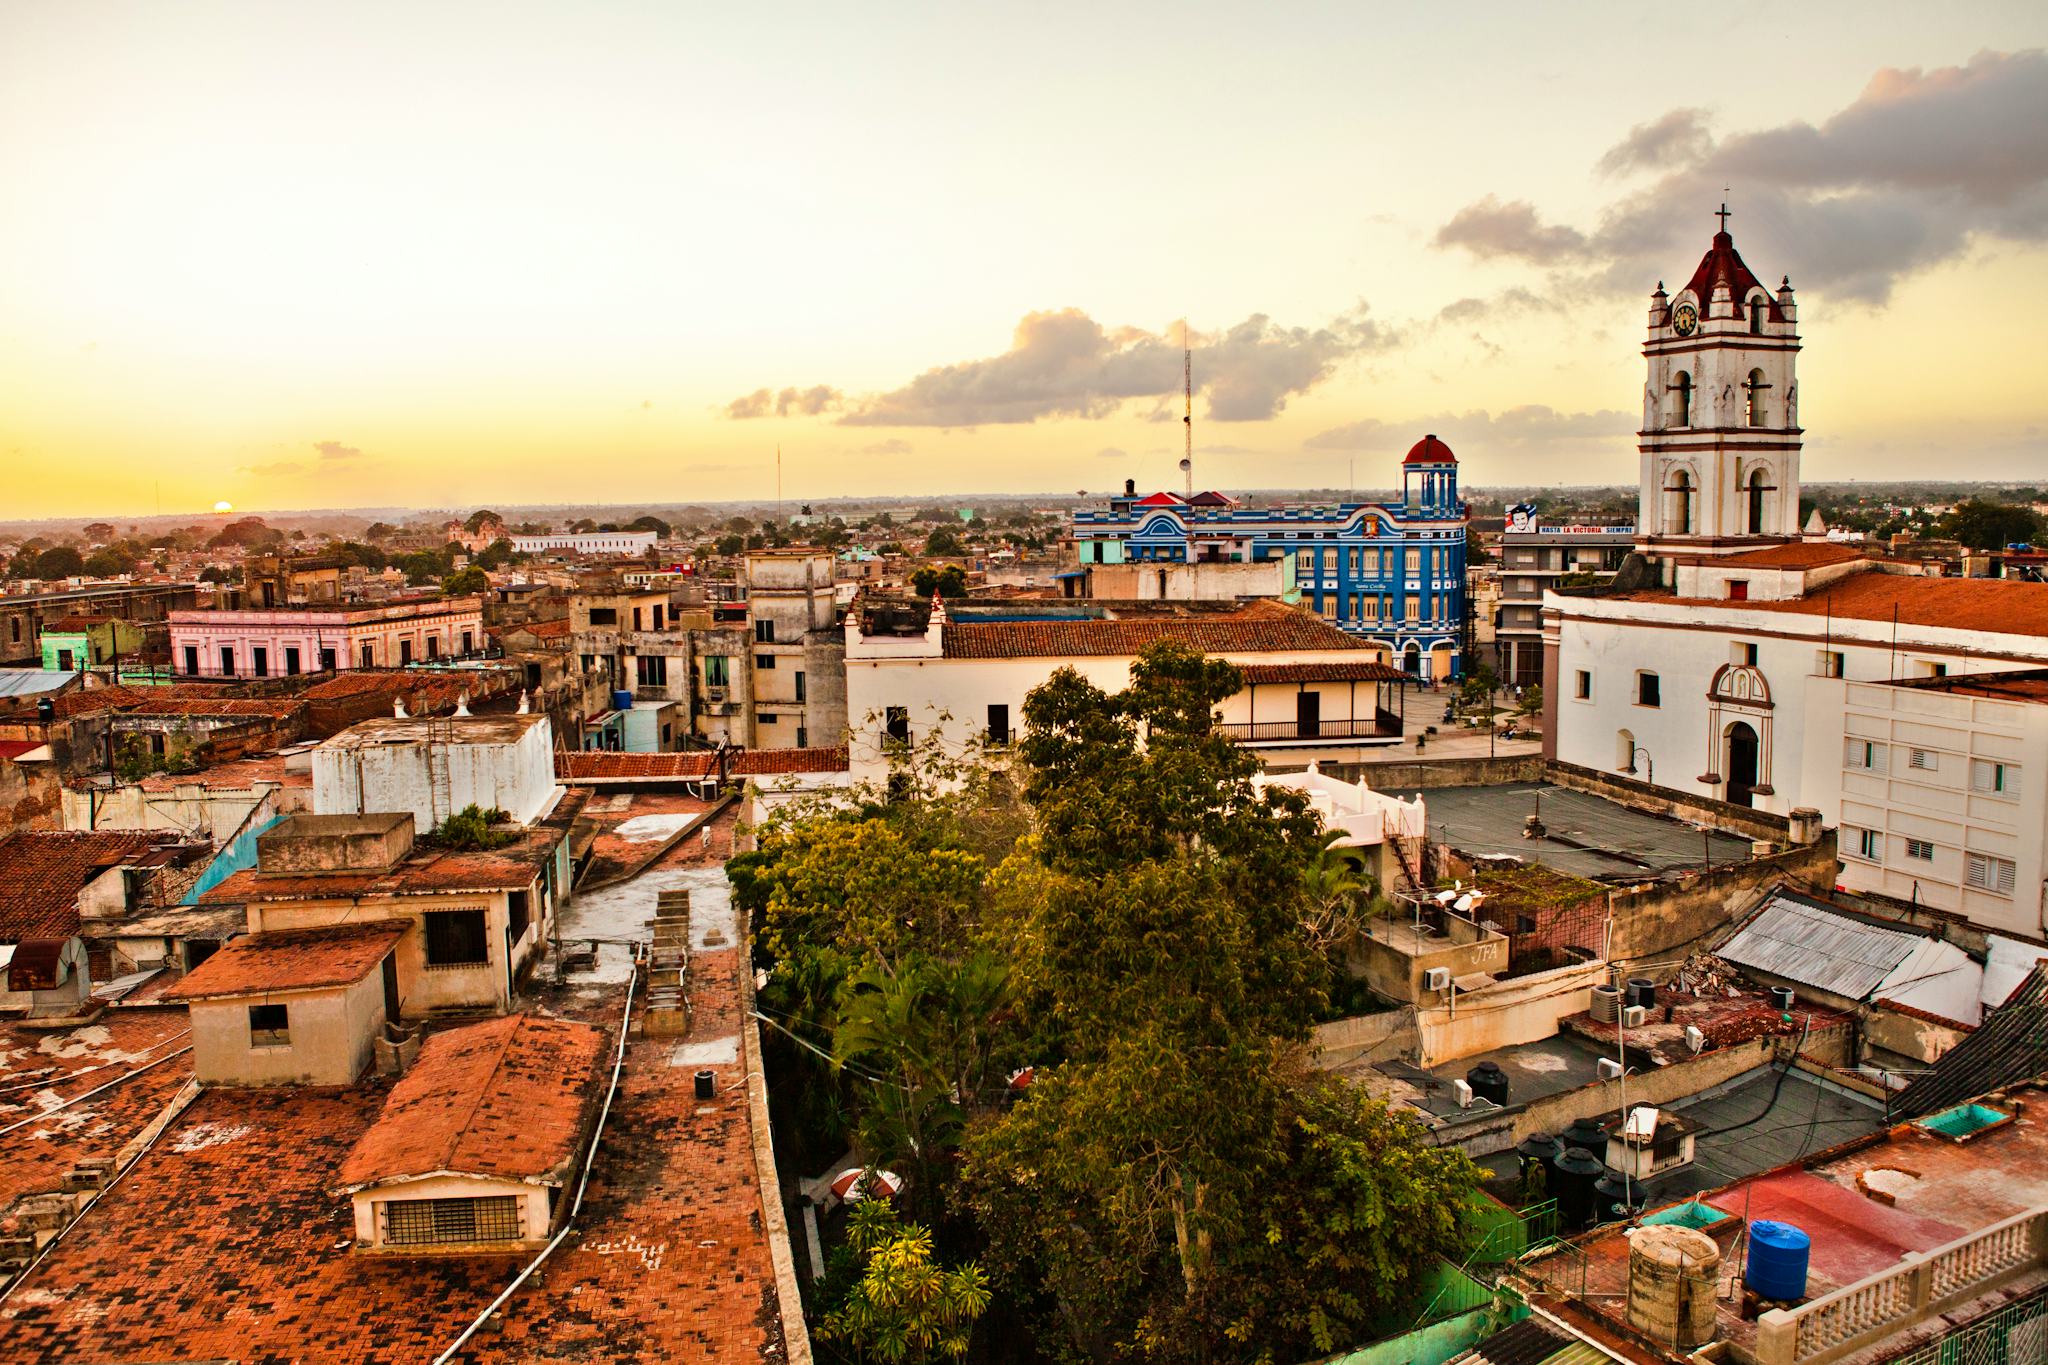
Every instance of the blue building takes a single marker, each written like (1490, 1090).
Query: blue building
(1391, 573)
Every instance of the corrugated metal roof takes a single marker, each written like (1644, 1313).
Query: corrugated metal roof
(1800, 941)
(27, 682)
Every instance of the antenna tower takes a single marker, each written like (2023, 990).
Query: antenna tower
(1187, 420)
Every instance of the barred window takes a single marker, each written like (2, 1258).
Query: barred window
(456, 938)
(418, 1222)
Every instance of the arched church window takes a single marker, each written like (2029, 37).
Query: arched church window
(1757, 488)
(1681, 400)
(1624, 751)
(1754, 389)
(1757, 308)
(1678, 512)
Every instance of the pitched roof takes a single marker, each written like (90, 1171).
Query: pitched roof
(597, 765)
(2009, 1047)
(293, 960)
(1363, 670)
(422, 873)
(1999, 606)
(1815, 945)
(1260, 626)
(1723, 264)
(42, 872)
(505, 1098)
(1798, 555)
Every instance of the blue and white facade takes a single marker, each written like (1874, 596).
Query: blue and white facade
(1391, 573)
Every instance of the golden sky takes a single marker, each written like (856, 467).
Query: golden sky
(328, 256)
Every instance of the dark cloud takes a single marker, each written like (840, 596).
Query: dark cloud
(1680, 135)
(277, 470)
(1066, 364)
(1490, 228)
(1920, 167)
(335, 450)
(1528, 429)
(810, 402)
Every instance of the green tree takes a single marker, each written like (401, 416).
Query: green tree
(1985, 525)
(476, 520)
(109, 562)
(905, 1307)
(497, 554)
(469, 580)
(1532, 701)
(949, 580)
(60, 562)
(943, 541)
(215, 573)
(649, 523)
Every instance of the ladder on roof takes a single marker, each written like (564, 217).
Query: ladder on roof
(440, 781)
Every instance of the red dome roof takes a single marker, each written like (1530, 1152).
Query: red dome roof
(1429, 450)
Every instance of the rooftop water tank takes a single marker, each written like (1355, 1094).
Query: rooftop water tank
(1577, 1172)
(1488, 1081)
(1672, 1272)
(1777, 1261)
(1642, 991)
(1589, 1133)
(622, 700)
(1616, 1196)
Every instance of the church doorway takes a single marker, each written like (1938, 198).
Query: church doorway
(1741, 765)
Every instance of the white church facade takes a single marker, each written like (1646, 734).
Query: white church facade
(1738, 634)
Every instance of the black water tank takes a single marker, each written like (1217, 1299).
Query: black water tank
(1541, 1147)
(1642, 991)
(1578, 1170)
(1488, 1082)
(1588, 1133)
(1616, 1196)
(1781, 998)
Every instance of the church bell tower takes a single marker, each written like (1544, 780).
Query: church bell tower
(1720, 437)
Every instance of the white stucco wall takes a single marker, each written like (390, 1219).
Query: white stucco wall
(1933, 804)
(1684, 643)
(352, 777)
(421, 987)
(535, 1213)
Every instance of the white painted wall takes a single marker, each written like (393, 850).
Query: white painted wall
(333, 1035)
(535, 1216)
(352, 778)
(1933, 804)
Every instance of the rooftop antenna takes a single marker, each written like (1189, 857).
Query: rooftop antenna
(1187, 420)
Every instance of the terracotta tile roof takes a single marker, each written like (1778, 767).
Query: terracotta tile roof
(1802, 555)
(1998, 606)
(505, 1098)
(235, 774)
(77, 623)
(1365, 670)
(421, 874)
(599, 765)
(42, 872)
(278, 708)
(293, 960)
(1257, 627)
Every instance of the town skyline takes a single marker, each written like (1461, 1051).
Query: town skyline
(433, 269)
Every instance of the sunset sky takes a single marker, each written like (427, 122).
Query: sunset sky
(303, 256)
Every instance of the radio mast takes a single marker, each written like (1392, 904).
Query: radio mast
(1187, 420)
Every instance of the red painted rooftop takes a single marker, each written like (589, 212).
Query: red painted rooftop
(1429, 450)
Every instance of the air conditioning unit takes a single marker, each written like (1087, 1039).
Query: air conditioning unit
(1635, 1016)
(1437, 978)
(1695, 1040)
(1608, 1069)
(1462, 1088)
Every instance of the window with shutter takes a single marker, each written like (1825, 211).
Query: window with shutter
(1987, 873)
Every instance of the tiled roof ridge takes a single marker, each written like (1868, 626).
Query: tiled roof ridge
(479, 1093)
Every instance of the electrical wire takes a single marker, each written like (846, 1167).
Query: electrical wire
(55, 1108)
(87, 1071)
(1778, 1086)
(582, 1184)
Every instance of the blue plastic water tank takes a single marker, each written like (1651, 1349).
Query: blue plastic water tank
(622, 700)
(1777, 1260)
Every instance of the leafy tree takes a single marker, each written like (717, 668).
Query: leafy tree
(867, 889)
(943, 541)
(60, 562)
(948, 580)
(1985, 525)
(905, 1307)
(478, 519)
(470, 829)
(97, 532)
(731, 544)
(582, 526)
(649, 523)
(466, 581)
(1532, 701)
(109, 562)
(497, 554)
(215, 573)
(378, 530)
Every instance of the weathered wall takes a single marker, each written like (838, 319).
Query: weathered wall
(31, 796)
(1743, 820)
(1919, 1036)
(1396, 974)
(1441, 772)
(1344, 1041)
(333, 1033)
(1520, 1010)
(1659, 919)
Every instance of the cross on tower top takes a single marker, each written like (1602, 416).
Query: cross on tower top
(1724, 213)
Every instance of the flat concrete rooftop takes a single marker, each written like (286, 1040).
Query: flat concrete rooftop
(1588, 835)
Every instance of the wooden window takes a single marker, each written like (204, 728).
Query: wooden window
(1649, 690)
(1986, 873)
(418, 1222)
(456, 938)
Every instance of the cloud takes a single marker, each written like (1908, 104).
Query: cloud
(1490, 228)
(892, 446)
(1066, 364)
(1527, 429)
(1680, 135)
(1506, 303)
(810, 402)
(280, 469)
(1917, 170)
(335, 450)
(1112, 453)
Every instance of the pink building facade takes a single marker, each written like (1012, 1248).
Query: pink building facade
(282, 641)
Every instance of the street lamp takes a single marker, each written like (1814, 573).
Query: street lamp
(1649, 763)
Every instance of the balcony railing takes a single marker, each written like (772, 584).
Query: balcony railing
(1383, 726)
(1885, 1304)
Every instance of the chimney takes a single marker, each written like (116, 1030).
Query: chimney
(1130, 488)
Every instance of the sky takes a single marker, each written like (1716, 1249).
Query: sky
(459, 254)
